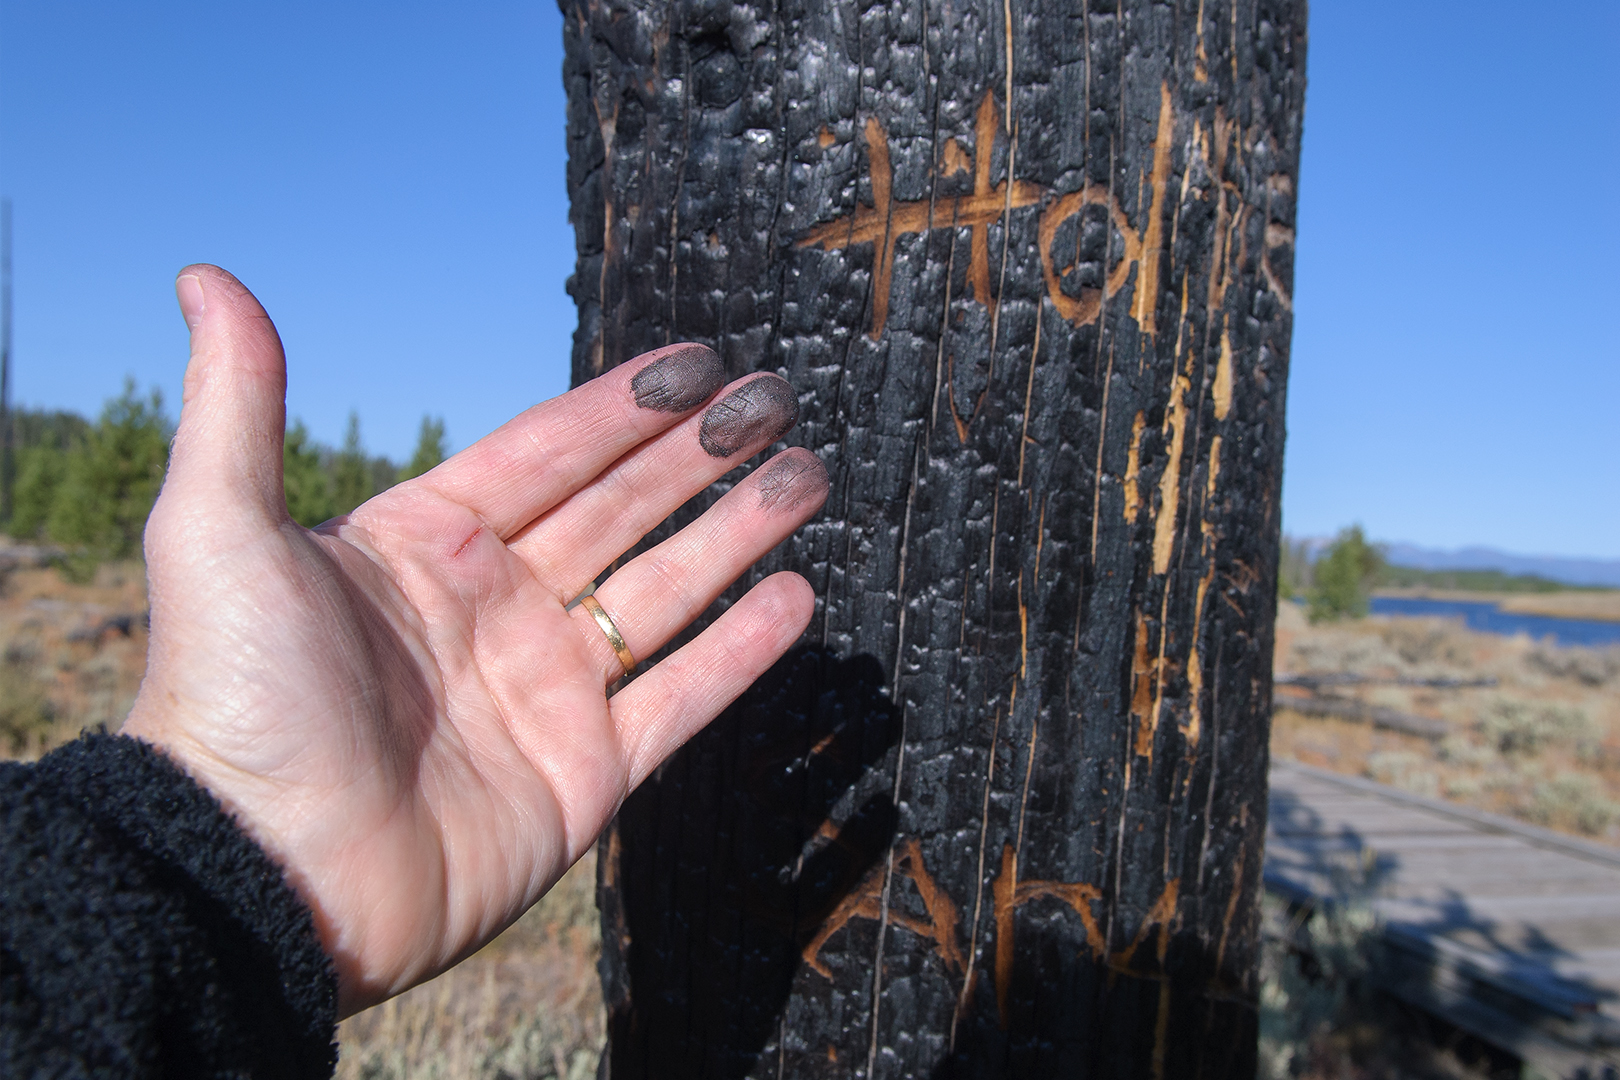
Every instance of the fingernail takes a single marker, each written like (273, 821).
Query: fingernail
(681, 380)
(756, 413)
(792, 479)
(189, 291)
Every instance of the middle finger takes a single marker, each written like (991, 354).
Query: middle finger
(566, 548)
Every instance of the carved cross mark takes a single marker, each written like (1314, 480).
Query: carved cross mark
(886, 220)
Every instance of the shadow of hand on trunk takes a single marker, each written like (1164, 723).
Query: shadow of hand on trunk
(721, 868)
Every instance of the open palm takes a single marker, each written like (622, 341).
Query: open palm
(400, 705)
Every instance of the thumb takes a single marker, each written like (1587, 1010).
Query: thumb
(227, 450)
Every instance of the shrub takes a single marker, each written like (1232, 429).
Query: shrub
(1592, 667)
(1460, 750)
(1517, 727)
(1403, 769)
(1428, 641)
(1462, 787)
(1313, 967)
(1344, 576)
(26, 714)
(1575, 799)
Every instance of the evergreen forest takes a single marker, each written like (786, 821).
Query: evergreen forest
(87, 486)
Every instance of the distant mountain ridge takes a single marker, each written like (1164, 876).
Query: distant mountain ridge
(1604, 572)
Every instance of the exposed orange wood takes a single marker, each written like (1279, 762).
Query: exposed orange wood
(1144, 671)
(1164, 526)
(1011, 894)
(1201, 55)
(1223, 378)
(1232, 900)
(1029, 397)
(984, 142)
(1161, 916)
(1195, 664)
(1005, 891)
(1133, 468)
(1023, 634)
(866, 902)
(1277, 236)
(1147, 283)
(883, 223)
(1085, 308)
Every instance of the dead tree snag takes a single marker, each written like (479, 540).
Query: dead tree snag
(1028, 265)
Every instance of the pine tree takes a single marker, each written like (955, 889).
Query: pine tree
(111, 478)
(1343, 577)
(353, 481)
(309, 490)
(40, 471)
(430, 448)
(43, 440)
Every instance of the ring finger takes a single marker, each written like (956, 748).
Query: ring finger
(656, 594)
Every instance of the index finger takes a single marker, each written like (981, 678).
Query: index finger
(531, 463)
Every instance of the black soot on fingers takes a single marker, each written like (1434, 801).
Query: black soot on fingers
(758, 412)
(791, 479)
(680, 381)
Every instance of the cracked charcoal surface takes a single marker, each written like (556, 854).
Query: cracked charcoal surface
(1025, 736)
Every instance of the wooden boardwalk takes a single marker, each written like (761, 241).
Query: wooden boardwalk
(1508, 931)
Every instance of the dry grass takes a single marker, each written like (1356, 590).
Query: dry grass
(71, 656)
(1603, 605)
(1542, 745)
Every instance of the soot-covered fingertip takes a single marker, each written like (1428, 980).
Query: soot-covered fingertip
(759, 411)
(680, 380)
(791, 479)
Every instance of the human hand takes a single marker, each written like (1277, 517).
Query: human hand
(397, 704)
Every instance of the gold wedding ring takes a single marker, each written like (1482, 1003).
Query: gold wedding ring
(615, 639)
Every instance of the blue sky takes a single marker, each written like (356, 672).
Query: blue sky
(1456, 370)
(389, 180)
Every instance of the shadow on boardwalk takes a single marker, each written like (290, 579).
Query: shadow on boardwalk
(1507, 931)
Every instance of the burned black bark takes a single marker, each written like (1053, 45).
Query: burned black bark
(1028, 265)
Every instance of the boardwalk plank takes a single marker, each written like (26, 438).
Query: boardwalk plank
(1472, 901)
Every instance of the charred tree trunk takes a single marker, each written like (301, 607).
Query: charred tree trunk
(1029, 266)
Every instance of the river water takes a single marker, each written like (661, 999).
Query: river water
(1481, 615)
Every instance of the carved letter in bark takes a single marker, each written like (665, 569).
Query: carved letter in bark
(1028, 265)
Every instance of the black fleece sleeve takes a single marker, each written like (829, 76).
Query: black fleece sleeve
(143, 934)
